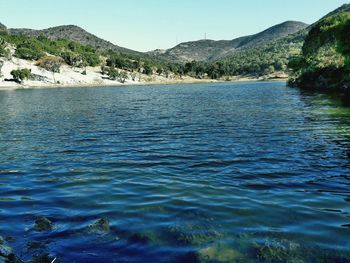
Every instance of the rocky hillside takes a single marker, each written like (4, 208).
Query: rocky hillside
(209, 50)
(74, 33)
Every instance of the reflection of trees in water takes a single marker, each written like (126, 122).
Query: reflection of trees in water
(333, 110)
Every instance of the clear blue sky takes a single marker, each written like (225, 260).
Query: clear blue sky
(149, 24)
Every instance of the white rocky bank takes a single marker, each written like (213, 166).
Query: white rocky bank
(68, 76)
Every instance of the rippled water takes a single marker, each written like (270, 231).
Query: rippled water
(249, 172)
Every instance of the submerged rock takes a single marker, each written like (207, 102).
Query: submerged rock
(278, 251)
(193, 234)
(5, 250)
(43, 224)
(6, 253)
(43, 258)
(220, 254)
(101, 226)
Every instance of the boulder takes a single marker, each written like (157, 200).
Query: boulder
(43, 224)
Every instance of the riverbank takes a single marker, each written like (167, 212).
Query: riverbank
(92, 77)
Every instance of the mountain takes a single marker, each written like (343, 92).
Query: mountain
(209, 50)
(73, 33)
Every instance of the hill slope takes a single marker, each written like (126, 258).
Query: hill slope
(3, 27)
(209, 50)
(325, 59)
(73, 33)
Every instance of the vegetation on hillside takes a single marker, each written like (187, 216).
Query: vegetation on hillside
(265, 60)
(79, 55)
(325, 59)
(210, 50)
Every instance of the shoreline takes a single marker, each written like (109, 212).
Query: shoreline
(43, 85)
(73, 77)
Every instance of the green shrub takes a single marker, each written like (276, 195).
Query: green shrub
(28, 54)
(21, 74)
(113, 74)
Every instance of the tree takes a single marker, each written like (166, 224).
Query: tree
(20, 74)
(133, 76)
(159, 71)
(73, 59)
(147, 69)
(123, 76)
(113, 74)
(52, 64)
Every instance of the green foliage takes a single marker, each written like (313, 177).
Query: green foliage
(78, 55)
(259, 61)
(147, 69)
(28, 54)
(325, 59)
(20, 74)
(73, 59)
(114, 74)
(92, 59)
(263, 60)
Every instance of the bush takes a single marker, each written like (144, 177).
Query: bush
(147, 70)
(91, 59)
(52, 64)
(28, 54)
(116, 75)
(113, 74)
(21, 74)
(73, 59)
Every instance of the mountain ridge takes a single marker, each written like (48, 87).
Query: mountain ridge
(209, 50)
(73, 33)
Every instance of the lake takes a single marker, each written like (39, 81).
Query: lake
(243, 172)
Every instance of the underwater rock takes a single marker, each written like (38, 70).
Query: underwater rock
(6, 253)
(220, 254)
(193, 234)
(43, 224)
(5, 250)
(278, 251)
(43, 258)
(101, 226)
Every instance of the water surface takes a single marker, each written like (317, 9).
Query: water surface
(248, 172)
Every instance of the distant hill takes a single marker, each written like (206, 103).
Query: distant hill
(209, 50)
(74, 33)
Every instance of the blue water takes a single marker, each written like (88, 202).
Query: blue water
(248, 172)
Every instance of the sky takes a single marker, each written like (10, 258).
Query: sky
(146, 25)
